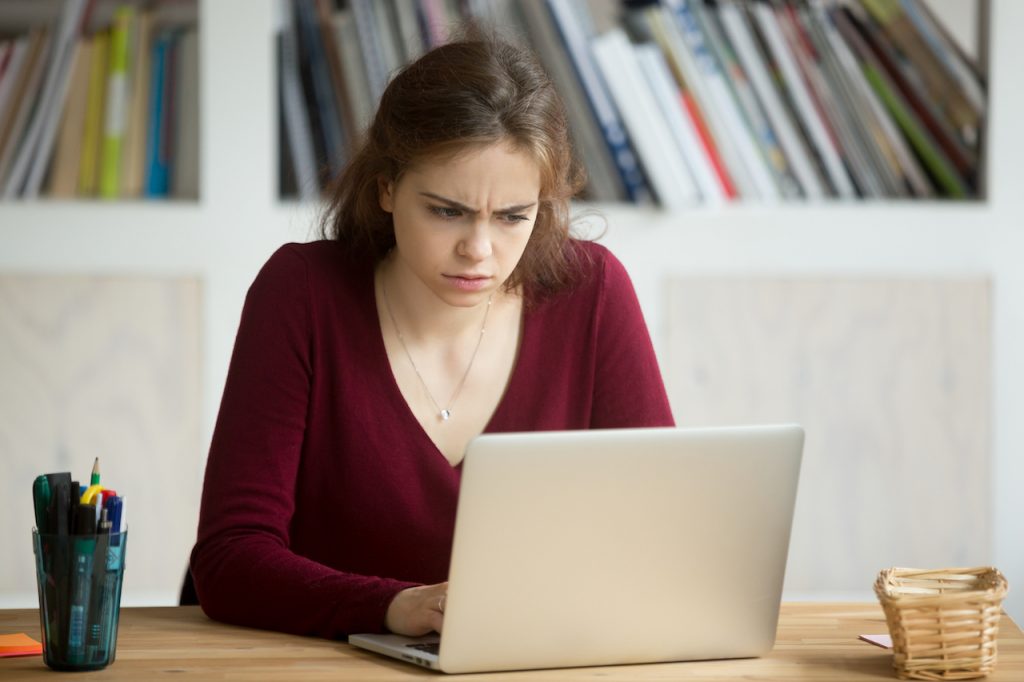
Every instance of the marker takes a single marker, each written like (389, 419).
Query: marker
(95, 479)
(81, 581)
(41, 499)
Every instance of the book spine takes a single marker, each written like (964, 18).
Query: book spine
(37, 143)
(88, 183)
(133, 157)
(920, 102)
(293, 110)
(720, 148)
(311, 45)
(854, 95)
(792, 146)
(829, 88)
(823, 142)
(63, 180)
(603, 180)
(666, 170)
(681, 126)
(726, 106)
(575, 40)
(185, 169)
(894, 144)
(369, 44)
(116, 112)
(156, 160)
(947, 53)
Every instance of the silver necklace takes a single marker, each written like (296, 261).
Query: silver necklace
(445, 413)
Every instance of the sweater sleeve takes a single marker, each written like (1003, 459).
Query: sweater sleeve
(628, 387)
(244, 570)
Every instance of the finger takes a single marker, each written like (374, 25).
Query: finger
(436, 621)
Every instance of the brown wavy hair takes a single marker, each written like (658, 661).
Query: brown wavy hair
(467, 94)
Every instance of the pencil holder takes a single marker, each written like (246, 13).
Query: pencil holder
(944, 623)
(79, 581)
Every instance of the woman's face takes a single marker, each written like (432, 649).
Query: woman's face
(462, 224)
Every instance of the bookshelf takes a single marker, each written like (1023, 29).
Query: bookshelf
(224, 237)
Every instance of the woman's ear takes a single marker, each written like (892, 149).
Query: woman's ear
(385, 193)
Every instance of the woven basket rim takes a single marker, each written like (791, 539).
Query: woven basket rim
(995, 591)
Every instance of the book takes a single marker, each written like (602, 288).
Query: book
(184, 180)
(386, 29)
(571, 31)
(435, 20)
(410, 28)
(133, 159)
(909, 167)
(659, 27)
(753, 62)
(26, 173)
(908, 82)
(752, 113)
(764, 186)
(603, 180)
(681, 126)
(14, 72)
(319, 85)
(824, 144)
(63, 180)
(860, 103)
(356, 83)
(88, 166)
(293, 111)
(824, 81)
(115, 112)
(940, 86)
(161, 116)
(339, 86)
(6, 48)
(946, 50)
(25, 97)
(940, 169)
(665, 169)
(370, 47)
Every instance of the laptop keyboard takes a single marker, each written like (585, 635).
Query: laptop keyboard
(428, 647)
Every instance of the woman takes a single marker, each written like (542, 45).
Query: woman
(447, 300)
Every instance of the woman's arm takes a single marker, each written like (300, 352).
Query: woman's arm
(243, 567)
(628, 388)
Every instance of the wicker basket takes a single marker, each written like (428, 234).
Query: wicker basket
(944, 623)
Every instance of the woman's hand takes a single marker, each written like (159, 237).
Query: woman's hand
(417, 610)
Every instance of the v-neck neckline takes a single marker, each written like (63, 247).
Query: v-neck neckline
(396, 391)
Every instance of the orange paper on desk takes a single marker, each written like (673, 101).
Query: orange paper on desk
(19, 644)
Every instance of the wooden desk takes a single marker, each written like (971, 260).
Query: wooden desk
(816, 641)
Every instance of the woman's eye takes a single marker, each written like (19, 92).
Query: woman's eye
(445, 211)
(515, 218)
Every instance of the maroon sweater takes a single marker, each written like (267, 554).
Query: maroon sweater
(323, 495)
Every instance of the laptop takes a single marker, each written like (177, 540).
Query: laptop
(591, 548)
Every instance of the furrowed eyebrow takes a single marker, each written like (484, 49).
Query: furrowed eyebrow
(467, 209)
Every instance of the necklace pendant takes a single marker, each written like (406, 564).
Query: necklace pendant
(445, 415)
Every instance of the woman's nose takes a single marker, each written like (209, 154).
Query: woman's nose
(476, 244)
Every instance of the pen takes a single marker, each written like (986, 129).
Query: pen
(108, 632)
